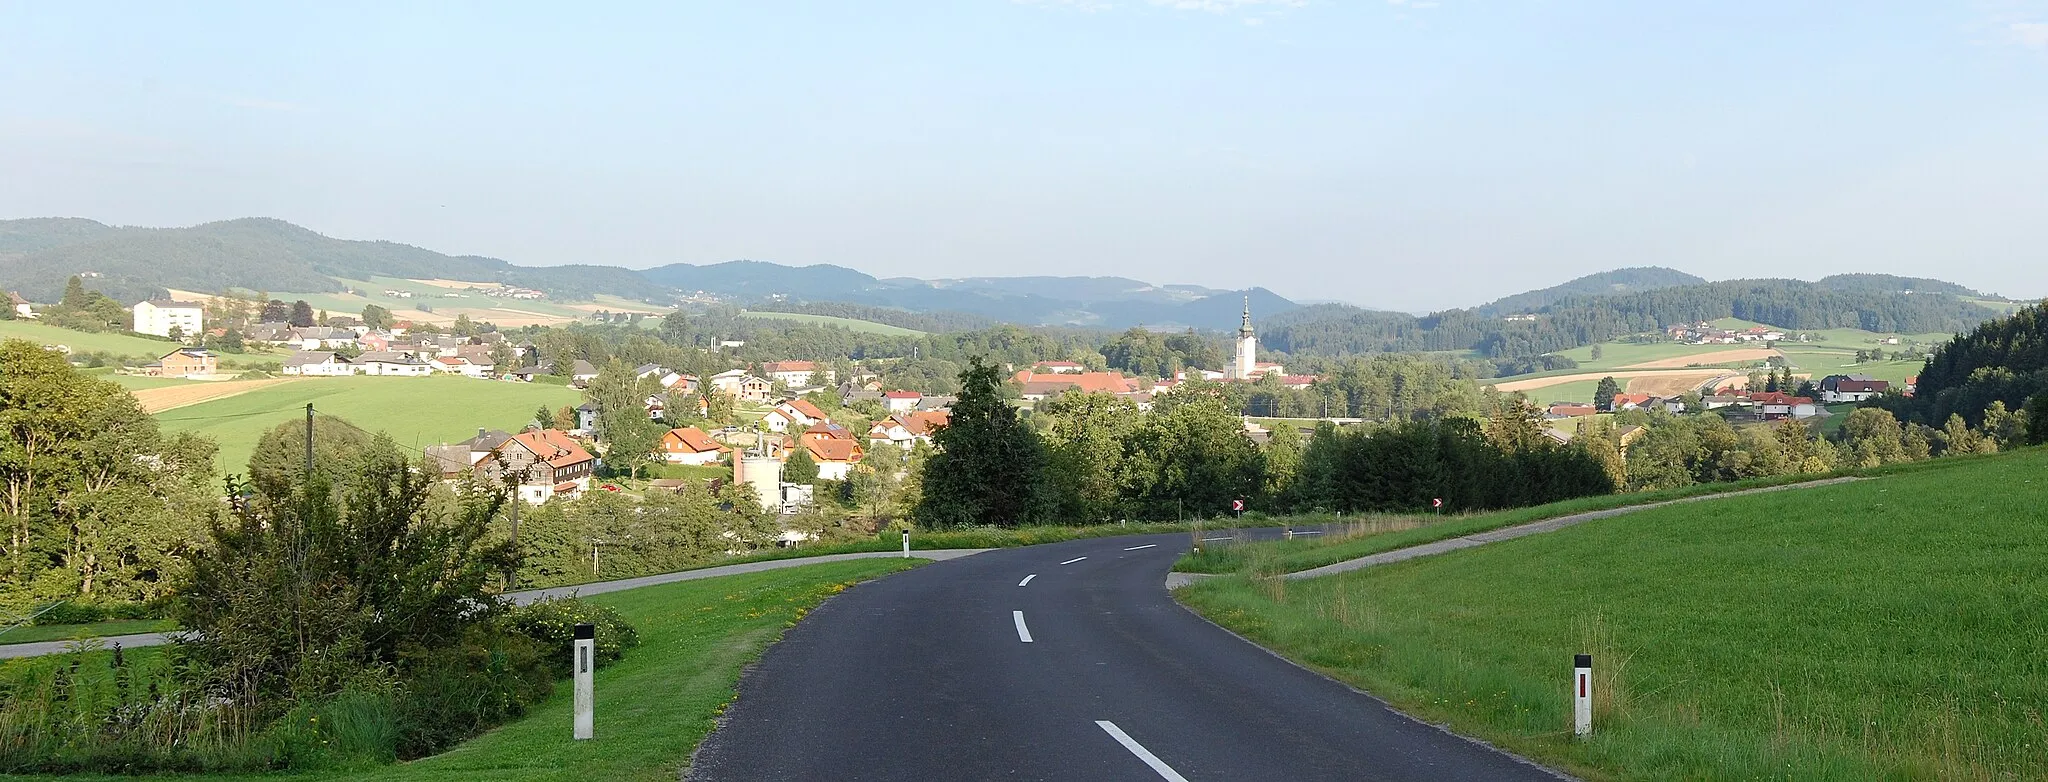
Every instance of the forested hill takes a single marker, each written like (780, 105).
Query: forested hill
(1614, 283)
(1586, 319)
(2004, 361)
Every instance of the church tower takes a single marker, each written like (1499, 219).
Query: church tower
(1247, 347)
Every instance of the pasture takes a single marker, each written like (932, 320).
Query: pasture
(415, 411)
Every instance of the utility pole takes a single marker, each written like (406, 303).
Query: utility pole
(309, 439)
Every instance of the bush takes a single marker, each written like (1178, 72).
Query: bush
(74, 612)
(552, 622)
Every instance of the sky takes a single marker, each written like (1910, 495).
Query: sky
(1406, 155)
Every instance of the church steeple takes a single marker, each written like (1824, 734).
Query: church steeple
(1246, 329)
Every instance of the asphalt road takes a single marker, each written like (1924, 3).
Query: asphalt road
(925, 675)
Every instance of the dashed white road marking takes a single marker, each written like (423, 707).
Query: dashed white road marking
(1226, 537)
(1165, 772)
(1027, 579)
(1023, 633)
(1148, 545)
(1308, 532)
(1072, 561)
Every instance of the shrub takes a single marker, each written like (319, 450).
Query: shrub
(552, 622)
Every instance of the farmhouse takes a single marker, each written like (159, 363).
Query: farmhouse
(22, 309)
(906, 430)
(690, 445)
(160, 316)
(1775, 405)
(183, 362)
(317, 363)
(1851, 388)
(835, 457)
(796, 413)
(545, 462)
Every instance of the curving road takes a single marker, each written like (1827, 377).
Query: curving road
(1087, 670)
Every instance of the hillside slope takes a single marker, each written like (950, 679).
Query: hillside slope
(1881, 629)
(1610, 283)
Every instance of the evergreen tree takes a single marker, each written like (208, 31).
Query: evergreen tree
(2036, 423)
(800, 468)
(989, 467)
(1604, 393)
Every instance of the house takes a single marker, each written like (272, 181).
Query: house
(456, 365)
(545, 462)
(835, 457)
(452, 460)
(679, 383)
(1913, 385)
(161, 316)
(825, 430)
(388, 362)
(1057, 368)
(753, 389)
(900, 401)
(1036, 386)
(528, 373)
(1718, 401)
(22, 309)
(183, 362)
(317, 363)
(1559, 436)
(690, 445)
(1569, 410)
(323, 338)
(798, 413)
(645, 371)
(795, 374)
(1775, 405)
(1629, 402)
(727, 381)
(271, 331)
(1836, 389)
(906, 430)
(581, 373)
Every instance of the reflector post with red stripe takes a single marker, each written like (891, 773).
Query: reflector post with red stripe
(1582, 696)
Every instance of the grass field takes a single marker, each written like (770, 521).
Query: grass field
(416, 411)
(654, 706)
(868, 326)
(1882, 629)
(1621, 354)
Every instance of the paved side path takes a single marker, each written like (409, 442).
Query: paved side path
(1525, 530)
(528, 596)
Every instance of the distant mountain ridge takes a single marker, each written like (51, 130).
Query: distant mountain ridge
(131, 263)
(1610, 283)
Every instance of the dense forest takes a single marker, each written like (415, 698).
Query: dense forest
(2005, 361)
(1610, 283)
(1581, 320)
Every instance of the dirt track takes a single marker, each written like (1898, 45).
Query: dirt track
(157, 400)
(1709, 357)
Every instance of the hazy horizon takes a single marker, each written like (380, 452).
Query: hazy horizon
(1407, 155)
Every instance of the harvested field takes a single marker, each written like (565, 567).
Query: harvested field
(1710, 357)
(157, 400)
(1678, 384)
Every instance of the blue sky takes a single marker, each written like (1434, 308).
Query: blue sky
(1402, 155)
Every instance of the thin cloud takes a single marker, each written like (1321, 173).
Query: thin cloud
(2033, 35)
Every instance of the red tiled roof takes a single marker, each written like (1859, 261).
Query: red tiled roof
(1623, 399)
(923, 423)
(789, 366)
(1060, 364)
(901, 395)
(1778, 398)
(1862, 386)
(565, 486)
(1085, 382)
(553, 446)
(833, 450)
(692, 440)
(808, 410)
(828, 430)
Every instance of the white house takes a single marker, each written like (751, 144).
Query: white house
(900, 401)
(795, 374)
(22, 309)
(317, 363)
(690, 445)
(457, 365)
(393, 363)
(159, 316)
(323, 338)
(793, 413)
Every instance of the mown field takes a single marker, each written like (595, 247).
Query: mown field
(867, 326)
(1882, 629)
(415, 411)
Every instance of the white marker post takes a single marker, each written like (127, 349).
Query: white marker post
(906, 544)
(1582, 696)
(586, 691)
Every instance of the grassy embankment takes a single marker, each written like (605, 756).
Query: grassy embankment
(415, 411)
(654, 706)
(1882, 629)
(34, 633)
(867, 326)
(120, 345)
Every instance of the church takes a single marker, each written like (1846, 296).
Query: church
(1246, 366)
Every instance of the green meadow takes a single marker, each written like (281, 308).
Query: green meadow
(415, 411)
(867, 326)
(1888, 628)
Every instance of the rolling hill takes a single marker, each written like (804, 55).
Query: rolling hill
(1613, 283)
